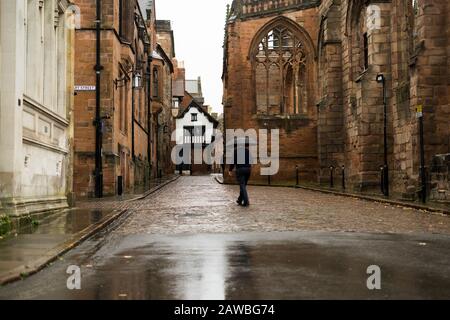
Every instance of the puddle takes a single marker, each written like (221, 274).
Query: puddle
(66, 222)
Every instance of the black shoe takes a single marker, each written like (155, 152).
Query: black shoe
(239, 202)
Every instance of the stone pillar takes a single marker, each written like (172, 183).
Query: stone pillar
(330, 106)
(430, 86)
(232, 99)
(12, 75)
(369, 95)
(402, 17)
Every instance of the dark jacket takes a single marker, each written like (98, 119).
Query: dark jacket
(247, 163)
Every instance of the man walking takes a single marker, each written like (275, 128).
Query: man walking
(242, 163)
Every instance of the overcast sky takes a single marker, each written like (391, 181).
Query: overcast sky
(198, 27)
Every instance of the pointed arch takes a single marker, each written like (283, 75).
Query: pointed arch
(321, 57)
(294, 27)
(283, 59)
(357, 33)
(353, 15)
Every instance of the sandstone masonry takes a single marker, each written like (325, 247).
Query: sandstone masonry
(345, 44)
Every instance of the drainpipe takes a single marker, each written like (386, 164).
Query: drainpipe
(157, 146)
(149, 111)
(98, 120)
(224, 135)
(423, 177)
(385, 151)
(132, 119)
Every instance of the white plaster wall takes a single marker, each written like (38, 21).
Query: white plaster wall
(186, 121)
(33, 95)
(43, 178)
(12, 75)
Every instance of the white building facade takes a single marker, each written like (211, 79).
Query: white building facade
(197, 123)
(194, 127)
(36, 99)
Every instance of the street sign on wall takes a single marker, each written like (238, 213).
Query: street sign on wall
(85, 88)
(419, 111)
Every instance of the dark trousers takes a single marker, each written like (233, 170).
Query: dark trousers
(243, 175)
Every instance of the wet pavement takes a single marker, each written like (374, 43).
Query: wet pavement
(113, 202)
(34, 242)
(28, 249)
(290, 265)
(201, 205)
(191, 241)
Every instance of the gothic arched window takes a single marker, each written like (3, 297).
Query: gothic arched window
(359, 44)
(280, 75)
(155, 83)
(415, 6)
(412, 13)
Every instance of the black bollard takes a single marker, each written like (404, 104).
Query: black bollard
(343, 178)
(386, 180)
(120, 185)
(423, 178)
(331, 177)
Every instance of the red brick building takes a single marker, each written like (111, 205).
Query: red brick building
(309, 68)
(126, 43)
(256, 95)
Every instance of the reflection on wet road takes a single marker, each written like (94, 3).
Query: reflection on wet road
(289, 265)
(191, 241)
(34, 242)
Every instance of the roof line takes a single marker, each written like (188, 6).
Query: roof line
(163, 53)
(194, 104)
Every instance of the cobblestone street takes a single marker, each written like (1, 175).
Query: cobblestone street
(201, 205)
(190, 240)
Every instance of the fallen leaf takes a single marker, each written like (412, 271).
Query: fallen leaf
(422, 244)
(128, 257)
(123, 295)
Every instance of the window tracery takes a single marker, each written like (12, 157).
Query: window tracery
(280, 70)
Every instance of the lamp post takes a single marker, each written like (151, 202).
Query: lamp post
(137, 77)
(381, 79)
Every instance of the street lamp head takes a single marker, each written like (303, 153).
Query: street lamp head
(380, 78)
(137, 80)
